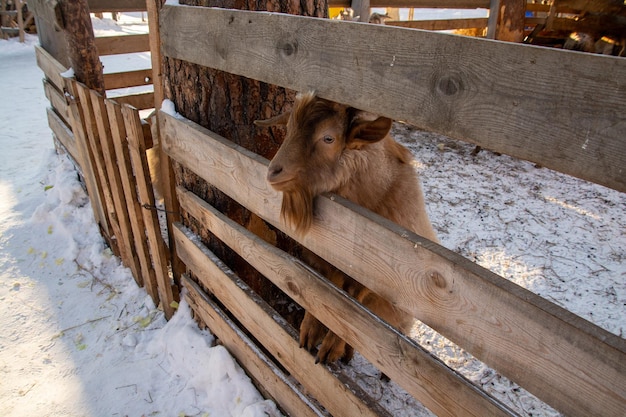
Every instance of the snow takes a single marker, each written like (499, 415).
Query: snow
(79, 338)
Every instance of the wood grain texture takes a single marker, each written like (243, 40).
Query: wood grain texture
(50, 67)
(100, 6)
(558, 108)
(62, 132)
(125, 79)
(272, 331)
(125, 44)
(140, 101)
(125, 237)
(147, 276)
(271, 379)
(85, 157)
(570, 363)
(159, 255)
(440, 24)
(57, 100)
(412, 367)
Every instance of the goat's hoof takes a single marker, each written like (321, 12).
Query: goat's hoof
(311, 332)
(333, 349)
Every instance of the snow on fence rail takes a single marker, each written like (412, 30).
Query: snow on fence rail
(556, 108)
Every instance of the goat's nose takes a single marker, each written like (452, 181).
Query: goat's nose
(273, 172)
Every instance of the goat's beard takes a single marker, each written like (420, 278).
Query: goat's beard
(297, 210)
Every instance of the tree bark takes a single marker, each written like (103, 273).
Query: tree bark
(81, 46)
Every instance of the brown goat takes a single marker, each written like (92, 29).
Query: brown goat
(330, 147)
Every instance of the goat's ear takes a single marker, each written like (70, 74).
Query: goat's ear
(281, 119)
(368, 131)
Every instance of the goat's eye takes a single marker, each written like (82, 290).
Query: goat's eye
(328, 139)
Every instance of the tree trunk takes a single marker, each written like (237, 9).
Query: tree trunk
(228, 105)
(81, 46)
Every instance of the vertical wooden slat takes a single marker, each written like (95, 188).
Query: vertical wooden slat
(135, 212)
(166, 171)
(137, 146)
(85, 158)
(125, 237)
(102, 178)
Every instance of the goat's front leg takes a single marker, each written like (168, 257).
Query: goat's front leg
(312, 331)
(333, 347)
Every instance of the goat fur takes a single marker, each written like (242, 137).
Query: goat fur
(330, 147)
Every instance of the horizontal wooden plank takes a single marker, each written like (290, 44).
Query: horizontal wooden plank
(57, 100)
(50, 67)
(561, 109)
(63, 133)
(139, 101)
(127, 79)
(272, 331)
(125, 44)
(100, 6)
(405, 362)
(270, 378)
(441, 24)
(570, 363)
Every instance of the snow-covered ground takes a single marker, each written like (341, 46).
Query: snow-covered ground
(79, 338)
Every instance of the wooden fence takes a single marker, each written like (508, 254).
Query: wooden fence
(108, 141)
(509, 98)
(505, 97)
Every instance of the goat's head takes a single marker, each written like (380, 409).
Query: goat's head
(310, 160)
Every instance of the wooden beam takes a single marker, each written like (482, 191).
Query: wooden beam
(57, 100)
(51, 68)
(137, 147)
(569, 362)
(101, 6)
(140, 101)
(442, 24)
(85, 156)
(510, 26)
(125, 44)
(126, 79)
(412, 367)
(63, 133)
(267, 375)
(510, 98)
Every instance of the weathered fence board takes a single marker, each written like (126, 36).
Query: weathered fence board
(561, 109)
(62, 132)
(570, 363)
(57, 100)
(125, 79)
(99, 6)
(102, 178)
(272, 331)
(50, 67)
(137, 147)
(126, 44)
(271, 379)
(416, 370)
(140, 101)
(440, 24)
(85, 156)
(147, 276)
(124, 233)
